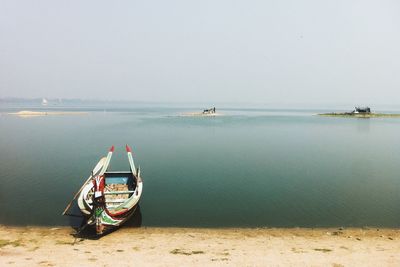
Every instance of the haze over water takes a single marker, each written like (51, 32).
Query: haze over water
(272, 168)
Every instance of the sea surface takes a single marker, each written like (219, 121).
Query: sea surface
(248, 168)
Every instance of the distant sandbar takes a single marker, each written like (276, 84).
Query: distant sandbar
(200, 114)
(359, 115)
(28, 113)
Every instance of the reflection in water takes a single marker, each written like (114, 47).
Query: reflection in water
(136, 220)
(75, 217)
(363, 125)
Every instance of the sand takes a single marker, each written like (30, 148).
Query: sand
(360, 115)
(28, 113)
(32, 246)
(200, 114)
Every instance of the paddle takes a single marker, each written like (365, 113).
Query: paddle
(96, 169)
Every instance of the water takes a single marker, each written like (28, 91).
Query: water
(250, 168)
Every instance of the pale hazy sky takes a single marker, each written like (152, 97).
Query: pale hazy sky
(279, 51)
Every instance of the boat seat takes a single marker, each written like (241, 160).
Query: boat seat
(115, 200)
(118, 192)
(111, 201)
(115, 192)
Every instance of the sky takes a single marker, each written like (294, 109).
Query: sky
(309, 51)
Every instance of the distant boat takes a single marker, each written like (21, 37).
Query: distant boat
(108, 199)
(44, 102)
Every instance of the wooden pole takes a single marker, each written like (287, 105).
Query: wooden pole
(96, 169)
(70, 203)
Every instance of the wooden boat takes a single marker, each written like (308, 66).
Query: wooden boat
(108, 199)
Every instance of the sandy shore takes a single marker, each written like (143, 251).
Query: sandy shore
(360, 115)
(32, 246)
(28, 113)
(200, 114)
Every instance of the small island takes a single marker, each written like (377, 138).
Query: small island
(28, 113)
(205, 113)
(360, 112)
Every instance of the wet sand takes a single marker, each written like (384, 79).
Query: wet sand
(200, 114)
(360, 115)
(34, 246)
(28, 113)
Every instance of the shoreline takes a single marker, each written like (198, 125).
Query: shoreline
(28, 113)
(200, 114)
(172, 246)
(214, 228)
(358, 115)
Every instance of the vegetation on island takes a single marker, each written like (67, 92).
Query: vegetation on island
(360, 112)
(360, 115)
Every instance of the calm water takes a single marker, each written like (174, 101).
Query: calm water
(249, 168)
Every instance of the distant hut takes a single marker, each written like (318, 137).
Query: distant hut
(209, 111)
(362, 110)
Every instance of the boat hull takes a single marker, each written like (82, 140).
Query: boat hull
(109, 199)
(116, 210)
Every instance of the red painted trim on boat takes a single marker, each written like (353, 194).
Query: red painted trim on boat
(115, 215)
(112, 149)
(128, 149)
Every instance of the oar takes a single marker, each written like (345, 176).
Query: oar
(96, 169)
